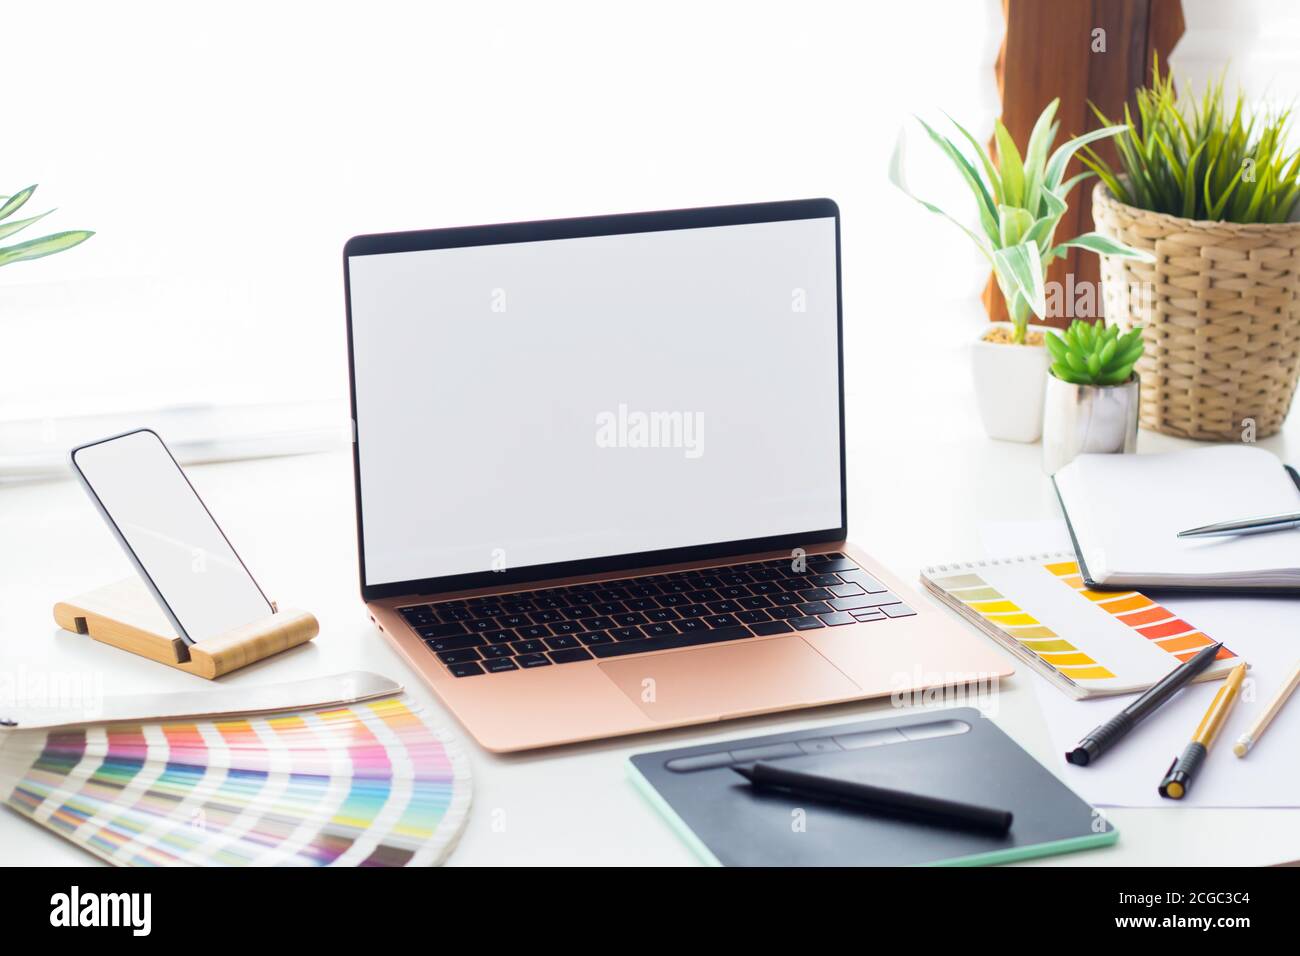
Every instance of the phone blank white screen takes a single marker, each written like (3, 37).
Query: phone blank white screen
(172, 535)
(530, 403)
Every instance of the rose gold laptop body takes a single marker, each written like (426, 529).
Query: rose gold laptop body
(564, 703)
(589, 700)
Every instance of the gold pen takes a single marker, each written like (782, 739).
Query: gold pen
(1179, 775)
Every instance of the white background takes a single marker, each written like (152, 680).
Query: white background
(224, 153)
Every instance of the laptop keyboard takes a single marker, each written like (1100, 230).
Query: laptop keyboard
(582, 622)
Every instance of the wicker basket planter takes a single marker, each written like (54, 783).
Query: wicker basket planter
(1221, 311)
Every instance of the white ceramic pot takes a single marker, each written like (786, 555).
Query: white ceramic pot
(1009, 384)
(1091, 419)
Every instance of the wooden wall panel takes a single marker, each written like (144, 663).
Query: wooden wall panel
(1048, 51)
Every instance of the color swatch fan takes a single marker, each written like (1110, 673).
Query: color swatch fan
(1088, 643)
(368, 784)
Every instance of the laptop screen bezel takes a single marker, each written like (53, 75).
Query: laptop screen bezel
(384, 243)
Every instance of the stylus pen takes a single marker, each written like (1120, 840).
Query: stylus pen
(1100, 739)
(1262, 524)
(1178, 778)
(871, 799)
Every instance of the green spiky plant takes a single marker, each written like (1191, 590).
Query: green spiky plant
(32, 248)
(1091, 353)
(1201, 159)
(1020, 199)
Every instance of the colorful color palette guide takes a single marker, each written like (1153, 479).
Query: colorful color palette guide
(1139, 612)
(371, 784)
(1090, 642)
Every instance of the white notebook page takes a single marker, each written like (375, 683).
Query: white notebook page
(1126, 512)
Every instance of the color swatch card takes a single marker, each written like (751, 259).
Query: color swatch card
(370, 784)
(1089, 643)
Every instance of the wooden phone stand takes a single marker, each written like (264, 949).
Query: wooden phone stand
(126, 615)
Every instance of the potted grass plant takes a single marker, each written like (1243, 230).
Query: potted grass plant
(1091, 404)
(1210, 188)
(1020, 199)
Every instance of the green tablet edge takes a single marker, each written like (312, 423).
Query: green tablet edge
(1016, 854)
(684, 833)
(993, 858)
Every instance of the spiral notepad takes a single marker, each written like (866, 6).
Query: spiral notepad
(1089, 643)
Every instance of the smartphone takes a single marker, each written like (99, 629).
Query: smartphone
(169, 535)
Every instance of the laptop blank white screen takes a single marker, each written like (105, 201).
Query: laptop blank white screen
(530, 403)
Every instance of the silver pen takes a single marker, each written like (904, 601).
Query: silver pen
(1260, 524)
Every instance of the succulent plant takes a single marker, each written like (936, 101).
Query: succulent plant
(1094, 353)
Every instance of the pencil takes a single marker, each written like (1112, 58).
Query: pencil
(1248, 740)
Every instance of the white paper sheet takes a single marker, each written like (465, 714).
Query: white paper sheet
(1265, 631)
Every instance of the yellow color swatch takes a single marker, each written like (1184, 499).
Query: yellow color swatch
(1011, 620)
(1107, 595)
(1066, 660)
(1031, 632)
(1095, 672)
(1038, 647)
(993, 607)
(1062, 568)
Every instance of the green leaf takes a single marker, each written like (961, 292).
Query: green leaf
(898, 178)
(1020, 268)
(1056, 345)
(1106, 246)
(1040, 141)
(1065, 152)
(1107, 352)
(987, 208)
(1014, 224)
(1066, 374)
(15, 202)
(45, 246)
(1064, 188)
(18, 225)
(1013, 171)
(995, 181)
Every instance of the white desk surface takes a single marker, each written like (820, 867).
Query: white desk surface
(922, 476)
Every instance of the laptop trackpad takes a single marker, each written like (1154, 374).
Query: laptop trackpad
(728, 680)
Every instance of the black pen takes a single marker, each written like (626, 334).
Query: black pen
(877, 799)
(1100, 739)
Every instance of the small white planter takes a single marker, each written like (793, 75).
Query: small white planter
(1009, 384)
(1088, 419)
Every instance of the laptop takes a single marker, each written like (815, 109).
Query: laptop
(600, 475)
